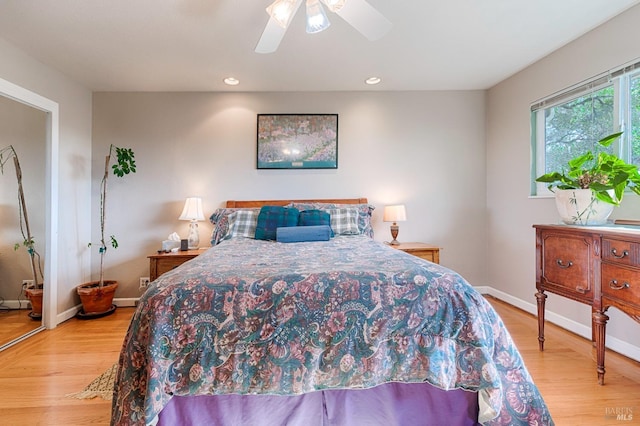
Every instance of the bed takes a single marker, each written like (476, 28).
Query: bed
(343, 331)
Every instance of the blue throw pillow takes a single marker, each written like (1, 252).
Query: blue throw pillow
(273, 217)
(296, 234)
(315, 218)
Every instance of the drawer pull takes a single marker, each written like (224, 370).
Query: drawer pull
(614, 285)
(624, 254)
(562, 265)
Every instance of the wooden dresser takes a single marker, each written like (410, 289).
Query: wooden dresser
(598, 266)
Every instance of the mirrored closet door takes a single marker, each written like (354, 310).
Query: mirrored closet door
(25, 134)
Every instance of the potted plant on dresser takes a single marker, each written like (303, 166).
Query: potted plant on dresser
(97, 296)
(35, 290)
(593, 185)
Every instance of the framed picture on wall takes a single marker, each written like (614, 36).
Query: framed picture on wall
(297, 141)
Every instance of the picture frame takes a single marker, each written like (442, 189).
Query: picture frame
(297, 141)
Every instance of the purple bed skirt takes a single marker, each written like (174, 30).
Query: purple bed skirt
(416, 404)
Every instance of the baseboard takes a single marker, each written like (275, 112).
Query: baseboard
(617, 345)
(70, 313)
(128, 302)
(17, 304)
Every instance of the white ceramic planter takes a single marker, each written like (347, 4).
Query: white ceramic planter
(581, 207)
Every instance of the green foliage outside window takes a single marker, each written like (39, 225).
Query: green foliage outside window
(564, 131)
(575, 127)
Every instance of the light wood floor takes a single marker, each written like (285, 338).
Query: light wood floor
(36, 374)
(15, 323)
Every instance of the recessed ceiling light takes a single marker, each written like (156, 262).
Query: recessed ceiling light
(231, 81)
(373, 80)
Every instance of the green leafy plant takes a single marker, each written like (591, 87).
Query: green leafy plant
(604, 174)
(124, 164)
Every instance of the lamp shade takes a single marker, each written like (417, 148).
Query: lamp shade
(395, 213)
(192, 209)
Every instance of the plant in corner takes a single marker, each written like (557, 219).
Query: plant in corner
(592, 186)
(97, 296)
(34, 291)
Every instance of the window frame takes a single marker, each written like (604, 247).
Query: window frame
(620, 80)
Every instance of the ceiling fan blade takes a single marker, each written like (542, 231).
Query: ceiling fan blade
(271, 37)
(273, 34)
(365, 18)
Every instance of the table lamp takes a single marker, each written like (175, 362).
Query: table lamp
(394, 214)
(193, 212)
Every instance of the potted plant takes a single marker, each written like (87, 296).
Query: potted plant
(97, 296)
(592, 186)
(34, 291)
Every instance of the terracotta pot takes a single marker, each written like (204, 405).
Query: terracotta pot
(35, 297)
(96, 300)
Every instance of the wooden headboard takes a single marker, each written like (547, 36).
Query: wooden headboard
(260, 203)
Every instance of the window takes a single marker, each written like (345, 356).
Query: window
(570, 123)
(634, 111)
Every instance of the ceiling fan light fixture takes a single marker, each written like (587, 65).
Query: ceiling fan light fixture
(334, 5)
(282, 11)
(316, 17)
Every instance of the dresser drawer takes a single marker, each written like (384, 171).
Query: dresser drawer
(620, 252)
(566, 264)
(621, 283)
(166, 265)
(165, 262)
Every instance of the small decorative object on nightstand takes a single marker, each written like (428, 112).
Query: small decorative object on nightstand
(164, 262)
(193, 212)
(394, 214)
(421, 250)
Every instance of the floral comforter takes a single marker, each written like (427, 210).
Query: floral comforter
(258, 317)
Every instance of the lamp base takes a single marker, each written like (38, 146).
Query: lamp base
(194, 236)
(394, 234)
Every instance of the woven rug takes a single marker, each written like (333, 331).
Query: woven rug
(101, 386)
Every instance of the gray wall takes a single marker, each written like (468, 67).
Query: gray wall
(74, 155)
(510, 210)
(458, 160)
(423, 149)
(24, 128)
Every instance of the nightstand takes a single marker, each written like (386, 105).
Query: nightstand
(164, 262)
(421, 250)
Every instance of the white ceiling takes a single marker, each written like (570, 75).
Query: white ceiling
(191, 45)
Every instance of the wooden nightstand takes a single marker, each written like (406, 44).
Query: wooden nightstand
(164, 262)
(421, 250)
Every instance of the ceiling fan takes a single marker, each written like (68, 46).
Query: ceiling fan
(360, 14)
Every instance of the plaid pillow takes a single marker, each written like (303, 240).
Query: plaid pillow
(364, 213)
(273, 217)
(243, 224)
(344, 221)
(315, 218)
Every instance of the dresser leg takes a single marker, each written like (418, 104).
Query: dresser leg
(600, 321)
(541, 298)
(593, 325)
